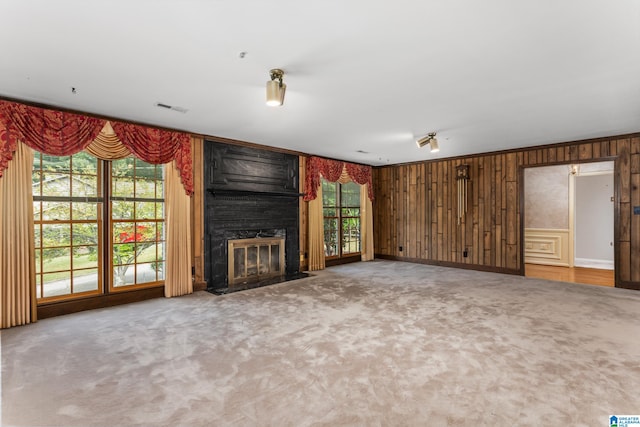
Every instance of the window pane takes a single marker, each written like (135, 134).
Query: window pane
(84, 163)
(145, 170)
(329, 193)
(56, 163)
(160, 251)
(121, 187)
(56, 284)
(122, 168)
(159, 210)
(36, 177)
(123, 232)
(37, 161)
(123, 275)
(145, 273)
(38, 260)
(350, 235)
(85, 257)
(145, 252)
(85, 280)
(84, 186)
(159, 190)
(350, 194)
(122, 210)
(331, 237)
(56, 211)
(83, 210)
(329, 212)
(124, 254)
(56, 235)
(161, 235)
(85, 234)
(56, 259)
(56, 184)
(38, 286)
(146, 232)
(36, 236)
(159, 268)
(145, 210)
(145, 189)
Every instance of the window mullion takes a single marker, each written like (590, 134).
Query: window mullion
(105, 235)
(340, 230)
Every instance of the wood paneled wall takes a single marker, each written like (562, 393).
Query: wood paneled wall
(304, 218)
(415, 211)
(197, 215)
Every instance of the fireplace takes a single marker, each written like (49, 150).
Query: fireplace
(254, 260)
(251, 194)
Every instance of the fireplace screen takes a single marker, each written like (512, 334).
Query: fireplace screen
(252, 260)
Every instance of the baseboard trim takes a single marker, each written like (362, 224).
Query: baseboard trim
(476, 267)
(594, 263)
(343, 260)
(101, 301)
(200, 286)
(628, 285)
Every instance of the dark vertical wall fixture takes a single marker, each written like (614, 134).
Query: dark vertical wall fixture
(249, 193)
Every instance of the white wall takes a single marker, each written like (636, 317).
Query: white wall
(594, 220)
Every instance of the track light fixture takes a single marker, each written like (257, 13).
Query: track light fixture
(275, 88)
(431, 140)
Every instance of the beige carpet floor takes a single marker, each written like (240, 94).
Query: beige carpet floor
(369, 344)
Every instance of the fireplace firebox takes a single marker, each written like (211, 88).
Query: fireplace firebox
(253, 260)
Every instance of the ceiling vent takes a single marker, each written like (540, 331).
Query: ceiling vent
(171, 107)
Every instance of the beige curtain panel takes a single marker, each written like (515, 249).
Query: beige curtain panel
(178, 228)
(316, 233)
(366, 225)
(17, 268)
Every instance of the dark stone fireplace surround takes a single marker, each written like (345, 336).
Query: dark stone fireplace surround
(249, 193)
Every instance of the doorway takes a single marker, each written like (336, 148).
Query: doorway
(569, 223)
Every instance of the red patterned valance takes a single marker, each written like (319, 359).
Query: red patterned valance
(331, 171)
(158, 146)
(62, 134)
(7, 147)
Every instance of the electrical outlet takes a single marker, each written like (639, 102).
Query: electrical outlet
(400, 248)
(465, 253)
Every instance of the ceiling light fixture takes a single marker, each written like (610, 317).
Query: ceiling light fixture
(431, 140)
(275, 88)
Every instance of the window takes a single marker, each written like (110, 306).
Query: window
(75, 245)
(137, 213)
(341, 207)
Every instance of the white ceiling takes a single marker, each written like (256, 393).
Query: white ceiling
(361, 75)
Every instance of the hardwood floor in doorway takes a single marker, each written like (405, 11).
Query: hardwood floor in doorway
(589, 276)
